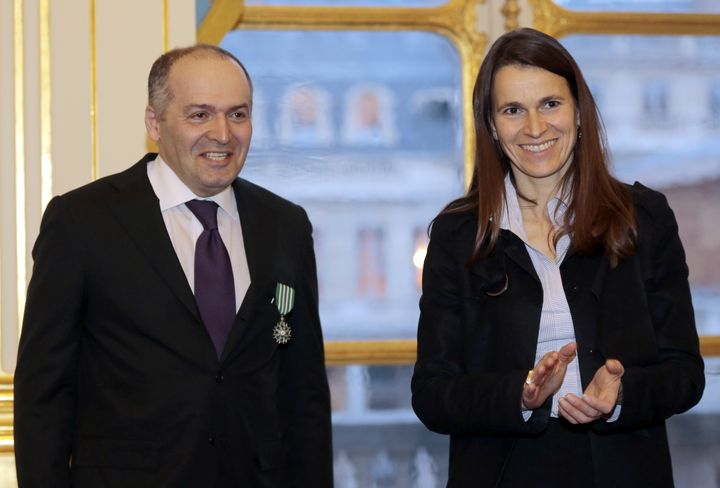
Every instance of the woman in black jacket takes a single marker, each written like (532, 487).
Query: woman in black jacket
(556, 332)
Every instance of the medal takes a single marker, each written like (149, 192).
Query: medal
(282, 331)
(284, 300)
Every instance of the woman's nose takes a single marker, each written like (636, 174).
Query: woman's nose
(536, 124)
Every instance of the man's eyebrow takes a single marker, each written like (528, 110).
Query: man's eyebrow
(204, 106)
(212, 108)
(239, 107)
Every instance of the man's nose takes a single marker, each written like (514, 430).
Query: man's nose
(220, 130)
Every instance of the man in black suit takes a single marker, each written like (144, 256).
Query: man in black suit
(125, 375)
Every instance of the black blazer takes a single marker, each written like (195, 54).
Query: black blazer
(476, 345)
(117, 381)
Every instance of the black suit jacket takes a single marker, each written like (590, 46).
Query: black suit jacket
(476, 345)
(117, 381)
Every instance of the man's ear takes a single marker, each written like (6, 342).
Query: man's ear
(152, 123)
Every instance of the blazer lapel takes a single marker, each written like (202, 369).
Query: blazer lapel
(514, 249)
(136, 208)
(583, 279)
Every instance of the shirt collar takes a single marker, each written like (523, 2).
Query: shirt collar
(172, 192)
(512, 216)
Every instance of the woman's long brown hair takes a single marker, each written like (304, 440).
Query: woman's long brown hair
(600, 215)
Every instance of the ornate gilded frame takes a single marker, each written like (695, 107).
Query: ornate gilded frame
(456, 20)
(557, 21)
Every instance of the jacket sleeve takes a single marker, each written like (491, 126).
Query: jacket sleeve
(45, 385)
(446, 396)
(304, 381)
(675, 381)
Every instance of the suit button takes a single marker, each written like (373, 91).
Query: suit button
(219, 378)
(211, 440)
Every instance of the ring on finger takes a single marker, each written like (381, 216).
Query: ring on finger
(529, 379)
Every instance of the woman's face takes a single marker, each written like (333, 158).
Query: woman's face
(535, 121)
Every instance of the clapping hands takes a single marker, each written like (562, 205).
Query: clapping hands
(600, 396)
(598, 400)
(547, 376)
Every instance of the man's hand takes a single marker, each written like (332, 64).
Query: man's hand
(600, 396)
(547, 376)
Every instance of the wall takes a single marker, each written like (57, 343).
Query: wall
(72, 92)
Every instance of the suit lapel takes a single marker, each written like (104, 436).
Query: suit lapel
(136, 208)
(258, 235)
(260, 239)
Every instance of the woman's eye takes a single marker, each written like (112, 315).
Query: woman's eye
(511, 111)
(199, 116)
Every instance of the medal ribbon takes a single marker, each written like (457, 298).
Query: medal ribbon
(284, 298)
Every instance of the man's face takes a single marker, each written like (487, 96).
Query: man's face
(204, 132)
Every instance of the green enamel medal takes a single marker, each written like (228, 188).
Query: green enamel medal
(284, 300)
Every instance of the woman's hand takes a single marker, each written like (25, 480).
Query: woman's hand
(600, 396)
(547, 376)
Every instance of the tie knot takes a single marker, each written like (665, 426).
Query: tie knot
(205, 211)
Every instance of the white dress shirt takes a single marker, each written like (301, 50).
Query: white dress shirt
(184, 228)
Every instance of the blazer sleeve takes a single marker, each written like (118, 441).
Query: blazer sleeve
(675, 382)
(45, 386)
(304, 381)
(446, 396)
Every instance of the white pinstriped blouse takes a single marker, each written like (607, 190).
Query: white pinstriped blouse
(556, 325)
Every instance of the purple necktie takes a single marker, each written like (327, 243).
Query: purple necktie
(214, 284)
